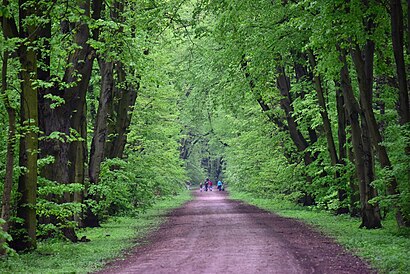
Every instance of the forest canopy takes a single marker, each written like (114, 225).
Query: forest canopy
(106, 106)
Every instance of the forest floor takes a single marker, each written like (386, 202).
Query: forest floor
(214, 234)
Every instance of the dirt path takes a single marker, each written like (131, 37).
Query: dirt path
(213, 234)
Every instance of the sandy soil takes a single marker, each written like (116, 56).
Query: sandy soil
(213, 234)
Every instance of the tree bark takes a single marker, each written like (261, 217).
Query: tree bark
(341, 133)
(397, 34)
(398, 44)
(362, 153)
(364, 69)
(100, 128)
(283, 84)
(9, 29)
(27, 184)
(264, 106)
(8, 179)
(125, 95)
(317, 81)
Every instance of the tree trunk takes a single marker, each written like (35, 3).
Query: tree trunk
(341, 133)
(27, 185)
(397, 34)
(362, 154)
(334, 159)
(398, 44)
(75, 97)
(100, 128)
(121, 114)
(283, 84)
(323, 112)
(408, 26)
(8, 180)
(364, 68)
(78, 174)
(265, 107)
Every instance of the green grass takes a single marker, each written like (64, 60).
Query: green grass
(108, 242)
(386, 249)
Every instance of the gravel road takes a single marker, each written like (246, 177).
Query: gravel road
(213, 234)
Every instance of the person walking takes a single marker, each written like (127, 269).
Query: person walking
(219, 185)
(206, 183)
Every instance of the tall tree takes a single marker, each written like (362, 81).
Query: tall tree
(27, 184)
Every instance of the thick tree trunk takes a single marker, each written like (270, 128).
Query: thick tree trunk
(79, 174)
(364, 68)
(80, 73)
(27, 185)
(100, 128)
(54, 119)
(362, 154)
(121, 114)
(404, 108)
(408, 26)
(398, 50)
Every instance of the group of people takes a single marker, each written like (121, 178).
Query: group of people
(207, 185)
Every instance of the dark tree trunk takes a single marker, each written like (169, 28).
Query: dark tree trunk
(283, 84)
(334, 159)
(8, 179)
(323, 112)
(404, 108)
(264, 106)
(398, 44)
(125, 95)
(27, 185)
(121, 114)
(341, 133)
(364, 69)
(100, 128)
(364, 165)
(82, 61)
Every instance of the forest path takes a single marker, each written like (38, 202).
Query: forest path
(213, 234)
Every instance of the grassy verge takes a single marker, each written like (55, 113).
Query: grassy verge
(107, 242)
(387, 249)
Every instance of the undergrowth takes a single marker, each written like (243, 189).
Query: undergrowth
(386, 249)
(107, 242)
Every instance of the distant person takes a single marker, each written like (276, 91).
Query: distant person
(210, 185)
(219, 185)
(206, 183)
(200, 186)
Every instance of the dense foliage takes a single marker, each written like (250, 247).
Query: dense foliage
(306, 100)
(89, 115)
(108, 105)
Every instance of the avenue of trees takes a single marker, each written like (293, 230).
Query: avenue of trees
(76, 145)
(108, 105)
(306, 100)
